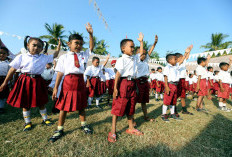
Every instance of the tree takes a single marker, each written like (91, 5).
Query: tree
(100, 48)
(217, 42)
(54, 33)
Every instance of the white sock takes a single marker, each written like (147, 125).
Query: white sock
(26, 116)
(97, 101)
(172, 109)
(161, 96)
(2, 103)
(221, 104)
(44, 114)
(156, 95)
(90, 101)
(164, 110)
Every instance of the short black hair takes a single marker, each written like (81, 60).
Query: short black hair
(75, 37)
(230, 73)
(209, 67)
(95, 58)
(200, 60)
(50, 64)
(152, 69)
(216, 71)
(190, 75)
(159, 68)
(5, 49)
(222, 64)
(170, 56)
(124, 42)
(178, 55)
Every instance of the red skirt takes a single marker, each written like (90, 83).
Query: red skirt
(160, 89)
(187, 85)
(95, 87)
(110, 86)
(4, 94)
(126, 99)
(181, 88)
(153, 84)
(191, 88)
(143, 87)
(103, 87)
(216, 86)
(171, 98)
(73, 94)
(28, 92)
(209, 85)
(226, 93)
(203, 91)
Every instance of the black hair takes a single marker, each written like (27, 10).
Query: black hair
(200, 60)
(95, 58)
(75, 37)
(190, 75)
(209, 67)
(178, 55)
(194, 71)
(216, 71)
(152, 69)
(230, 73)
(5, 49)
(159, 68)
(169, 56)
(26, 41)
(123, 42)
(223, 64)
(50, 64)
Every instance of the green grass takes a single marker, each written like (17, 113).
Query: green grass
(203, 134)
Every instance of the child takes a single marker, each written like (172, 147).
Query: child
(48, 74)
(153, 80)
(4, 68)
(142, 75)
(171, 80)
(93, 80)
(216, 82)
(224, 82)
(124, 96)
(73, 94)
(210, 81)
(30, 90)
(191, 88)
(201, 82)
(181, 88)
(103, 82)
(159, 84)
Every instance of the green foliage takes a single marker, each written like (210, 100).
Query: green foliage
(100, 46)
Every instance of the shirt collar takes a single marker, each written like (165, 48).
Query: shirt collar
(29, 54)
(127, 56)
(72, 53)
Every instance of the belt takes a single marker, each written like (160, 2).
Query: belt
(31, 75)
(128, 78)
(95, 77)
(142, 79)
(174, 83)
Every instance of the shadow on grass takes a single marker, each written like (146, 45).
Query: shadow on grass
(214, 140)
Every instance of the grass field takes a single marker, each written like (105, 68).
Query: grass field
(203, 134)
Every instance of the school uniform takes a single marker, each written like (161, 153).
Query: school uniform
(110, 76)
(142, 79)
(73, 92)
(95, 81)
(210, 78)
(126, 99)
(153, 80)
(181, 88)
(191, 88)
(47, 75)
(194, 82)
(216, 83)
(30, 89)
(103, 83)
(172, 73)
(4, 68)
(224, 77)
(201, 71)
(160, 80)
(187, 83)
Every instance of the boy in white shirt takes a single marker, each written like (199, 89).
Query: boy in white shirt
(210, 81)
(110, 75)
(48, 73)
(159, 77)
(153, 81)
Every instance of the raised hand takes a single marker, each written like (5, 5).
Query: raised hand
(140, 39)
(115, 94)
(89, 28)
(208, 57)
(188, 49)
(156, 39)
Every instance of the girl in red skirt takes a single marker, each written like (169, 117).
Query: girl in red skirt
(103, 83)
(93, 80)
(159, 84)
(4, 68)
(30, 89)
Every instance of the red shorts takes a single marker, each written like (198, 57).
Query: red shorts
(110, 86)
(171, 99)
(181, 88)
(126, 99)
(4, 94)
(153, 84)
(95, 87)
(103, 87)
(216, 86)
(160, 89)
(209, 85)
(191, 88)
(28, 92)
(226, 93)
(73, 94)
(143, 87)
(187, 85)
(203, 91)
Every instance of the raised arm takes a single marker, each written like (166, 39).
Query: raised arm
(186, 54)
(153, 46)
(57, 49)
(106, 60)
(140, 39)
(90, 31)
(207, 60)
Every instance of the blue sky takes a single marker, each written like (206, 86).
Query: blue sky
(178, 23)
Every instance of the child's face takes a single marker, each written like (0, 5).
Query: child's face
(160, 70)
(113, 65)
(35, 47)
(211, 70)
(3, 54)
(143, 56)
(203, 63)
(75, 45)
(129, 48)
(48, 66)
(225, 67)
(96, 62)
(172, 61)
(190, 76)
(178, 59)
(153, 71)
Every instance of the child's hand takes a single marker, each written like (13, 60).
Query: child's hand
(156, 39)
(140, 39)
(108, 56)
(87, 84)
(54, 94)
(188, 49)
(230, 58)
(208, 57)
(115, 94)
(167, 90)
(2, 87)
(89, 28)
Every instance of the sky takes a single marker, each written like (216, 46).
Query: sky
(178, 23)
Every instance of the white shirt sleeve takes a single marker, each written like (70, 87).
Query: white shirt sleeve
(88, 71)
(60, 65)
(119, 65)
(16, 62)
(166, 71)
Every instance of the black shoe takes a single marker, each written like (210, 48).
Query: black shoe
(157, 100)
(199, 110)
(2, 110)
(58, 134)
(187, 112)
(175, 117)
(27, 126)
(86, 129)
(47, 122)
(165, 118)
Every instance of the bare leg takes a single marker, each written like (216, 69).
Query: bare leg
(62, 117)
(114, 121)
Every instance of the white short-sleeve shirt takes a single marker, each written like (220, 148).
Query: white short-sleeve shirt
(224, 76)
(87, 54)
(32, 64)
(4, 67)
(142, 66)
(201, 71)
(53, 82)
(171, 72)
(182, 70)
(159, 76)
(109, 73)
(48, 74)
(153, 76)
(210, 75)
(195, 79)
(93, 71)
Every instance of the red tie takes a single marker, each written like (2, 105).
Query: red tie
(76, 61)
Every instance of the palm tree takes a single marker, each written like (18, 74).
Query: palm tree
(217, 42)
(55, 32)
(100, 47)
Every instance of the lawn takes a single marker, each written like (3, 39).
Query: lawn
(203, 134)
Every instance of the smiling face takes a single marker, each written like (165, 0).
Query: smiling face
(35, 47)
(172, 60)
(3, 54)
(96, 62)
(129, 48)
(75, 45)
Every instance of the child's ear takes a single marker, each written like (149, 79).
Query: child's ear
(28, 46)
(68, 43)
